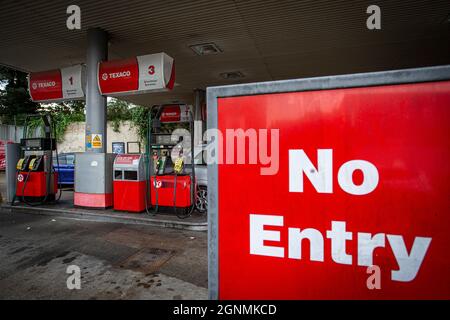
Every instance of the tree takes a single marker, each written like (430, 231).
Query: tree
(14, 96)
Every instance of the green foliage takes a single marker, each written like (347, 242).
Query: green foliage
(63, 114)
(62, 121)
(118, 111)
(139, 120)
(14, 97)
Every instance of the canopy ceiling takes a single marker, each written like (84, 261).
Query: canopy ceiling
(264, 40)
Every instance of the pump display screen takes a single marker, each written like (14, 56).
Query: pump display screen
(38, 143)
(33, 143)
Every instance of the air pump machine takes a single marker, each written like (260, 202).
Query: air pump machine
(129, 182)
(36, 181)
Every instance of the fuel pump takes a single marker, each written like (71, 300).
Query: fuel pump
(36, 181)
(169, 184)
(177, 169)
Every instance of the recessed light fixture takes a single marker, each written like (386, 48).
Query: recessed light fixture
(204, 49)
(232, 75)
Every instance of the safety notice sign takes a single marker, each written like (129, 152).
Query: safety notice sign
(88, 140)
(97, 141)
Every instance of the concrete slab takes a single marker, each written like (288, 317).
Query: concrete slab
(65, 207)
(194, 223)
(37, 249)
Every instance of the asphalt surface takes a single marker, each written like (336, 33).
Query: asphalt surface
(116, 261)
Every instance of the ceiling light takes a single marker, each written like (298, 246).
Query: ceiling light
(204, 49)
(232, 75)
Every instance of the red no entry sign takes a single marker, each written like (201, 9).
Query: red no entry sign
(332, 182)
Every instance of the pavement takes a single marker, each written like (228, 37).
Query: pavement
(115, 260)
(166, 217)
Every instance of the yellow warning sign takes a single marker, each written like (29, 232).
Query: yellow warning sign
(97, 141)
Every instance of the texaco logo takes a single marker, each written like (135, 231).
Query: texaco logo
(158, 184)
(34, 85)
(20, 177)
(105, 76)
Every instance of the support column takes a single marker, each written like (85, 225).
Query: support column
(93, 168)
(12, 154)
(97, 51)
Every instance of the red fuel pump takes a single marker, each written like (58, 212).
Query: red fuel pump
(37, 182)
(32, 180)
(171, 186)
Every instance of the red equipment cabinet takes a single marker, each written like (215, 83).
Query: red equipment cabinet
(35, 184)
(129, 183)
(129, 196)
(165, 185)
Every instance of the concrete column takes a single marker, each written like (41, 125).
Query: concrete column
(97, 50)
(12, 153)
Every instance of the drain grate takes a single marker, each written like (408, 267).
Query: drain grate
(147, 260)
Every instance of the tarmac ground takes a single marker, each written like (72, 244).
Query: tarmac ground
(39, 253)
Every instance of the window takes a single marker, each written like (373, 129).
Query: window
(70, 159)
(62, 159)
(118, 174)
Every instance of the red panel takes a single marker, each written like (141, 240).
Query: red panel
(165, 186)
(129, 196)
(35, 184)
(171, 82)
(171, 114)
(46, 85)
(93, 200)
(126, 158)
(118, 76)
(403, 130)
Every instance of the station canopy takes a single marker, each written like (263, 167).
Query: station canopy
(241, 40)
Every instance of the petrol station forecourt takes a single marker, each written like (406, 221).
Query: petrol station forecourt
(300, 153)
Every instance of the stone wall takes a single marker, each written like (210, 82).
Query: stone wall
(74, 137)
